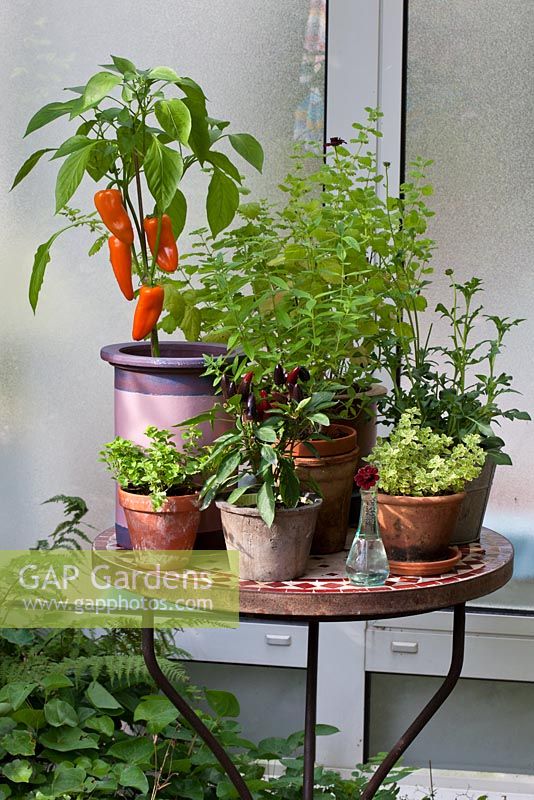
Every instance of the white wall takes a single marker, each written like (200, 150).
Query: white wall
(55, 394)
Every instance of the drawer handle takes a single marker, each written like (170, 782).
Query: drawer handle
(278, 640)
(404, 647)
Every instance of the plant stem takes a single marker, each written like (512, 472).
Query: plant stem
(141, 212)
(154, 343)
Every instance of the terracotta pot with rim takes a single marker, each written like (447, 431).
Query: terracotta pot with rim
(332, 468)
(173, 527)
(418, 528)
(278, 553)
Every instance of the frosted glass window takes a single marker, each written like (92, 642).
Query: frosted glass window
(469, 107)
(261, 65)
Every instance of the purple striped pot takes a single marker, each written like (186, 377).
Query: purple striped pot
(162, 392)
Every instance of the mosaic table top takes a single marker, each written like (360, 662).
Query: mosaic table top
(325, 592)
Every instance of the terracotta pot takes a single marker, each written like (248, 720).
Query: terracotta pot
(473, 508)
(364, 422)
(174, 527)
(162, 391)
(418, 528)
(343, 441)
(278, 553)
(333, 472)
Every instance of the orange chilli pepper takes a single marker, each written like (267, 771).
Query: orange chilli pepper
(147, 311)
(109, 205)
(120, 255)
(167, 258)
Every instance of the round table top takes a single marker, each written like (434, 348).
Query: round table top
(325, 593)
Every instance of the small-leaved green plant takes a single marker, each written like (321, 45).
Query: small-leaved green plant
(418, 462)
(159, 470)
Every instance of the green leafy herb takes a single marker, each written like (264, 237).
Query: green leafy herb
(418, 462)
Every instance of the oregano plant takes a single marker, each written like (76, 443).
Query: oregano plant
(138, 132)
(416, 461)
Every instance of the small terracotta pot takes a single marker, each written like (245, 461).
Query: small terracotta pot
(343, 441)
(417, 528)
(278, 553)
(333, 472)
(173, 527)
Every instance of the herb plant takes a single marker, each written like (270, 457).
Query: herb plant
(255, 459)
(418, 462)
(456, 386)
(159, 470)
(135, 135)
(310, 278)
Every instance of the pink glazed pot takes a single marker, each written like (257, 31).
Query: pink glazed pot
(162, 392)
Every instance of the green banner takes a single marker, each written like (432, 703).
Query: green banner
(118, 589)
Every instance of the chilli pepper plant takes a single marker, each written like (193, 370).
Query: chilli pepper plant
(137, 132)
(253, 462)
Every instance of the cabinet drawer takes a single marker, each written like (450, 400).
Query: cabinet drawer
(264, 643)
(418, 652)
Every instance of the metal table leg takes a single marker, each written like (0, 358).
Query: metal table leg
(458, 643)
(311, 708)
(188, 713)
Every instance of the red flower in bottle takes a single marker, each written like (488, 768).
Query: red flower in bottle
(366, 477)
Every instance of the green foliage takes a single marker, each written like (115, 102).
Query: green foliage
(42, 254)
(159, 469)
(130, 126)
(309, 279)
(76, 739)
(255, 458)
(70, 533)
(143, 750)
(455, 385)
(69, 657)
(418, 462)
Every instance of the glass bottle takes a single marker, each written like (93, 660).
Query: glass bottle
(367, 563)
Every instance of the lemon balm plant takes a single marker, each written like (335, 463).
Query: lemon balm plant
(158, 469)
(136, 133)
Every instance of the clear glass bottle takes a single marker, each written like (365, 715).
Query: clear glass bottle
(367, 563)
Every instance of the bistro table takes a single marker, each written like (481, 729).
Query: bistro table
(324, 594)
